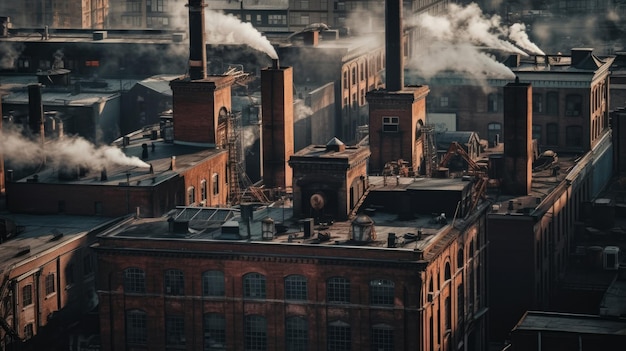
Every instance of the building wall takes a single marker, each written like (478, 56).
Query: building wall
(71, 266)
(361, 316)
(209, 172)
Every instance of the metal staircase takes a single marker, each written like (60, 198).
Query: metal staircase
(4, 290)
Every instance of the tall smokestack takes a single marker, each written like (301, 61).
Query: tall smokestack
(35, 108)
(1, 156)
(197, 46)
(394, 50)
(518, 151)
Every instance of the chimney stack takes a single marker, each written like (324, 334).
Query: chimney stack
(394, 50)
(518, 150)
(197, 46)
(277, 125)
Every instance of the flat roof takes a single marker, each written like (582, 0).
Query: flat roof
(571, 323)
(124, 165)
(38, 233)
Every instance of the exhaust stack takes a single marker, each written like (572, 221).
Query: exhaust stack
(197, 47)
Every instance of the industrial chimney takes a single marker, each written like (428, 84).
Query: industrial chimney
(518, 150)
(197, 46)
(277, 125)
(394, 50)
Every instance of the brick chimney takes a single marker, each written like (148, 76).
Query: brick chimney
(197, 46)
(277, 125)
(518, 151)
(394, 50)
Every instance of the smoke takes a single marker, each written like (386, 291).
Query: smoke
(69, 151)
(301, 110)
(459, 39)
(517, 33)
(228, 29)
(9, 53)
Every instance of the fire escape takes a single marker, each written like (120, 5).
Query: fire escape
(4, 291)
(430, 149)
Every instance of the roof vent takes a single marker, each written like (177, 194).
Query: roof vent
(335, 145)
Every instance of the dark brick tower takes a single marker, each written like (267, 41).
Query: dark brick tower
(277, 130)
(201, 104)
(518, 151)
(1, 156)
(394, 112)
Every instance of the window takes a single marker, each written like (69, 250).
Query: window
(277, 19)
(136, 327)
(134, 281)
(28, 331)
(27, 295)
(574, 136)
(382, 292)
(339, 336)
(203, 190)
(295, 287)
(494, 102)
(49, 284)
(573, 105)
(213, 283)
(296, 334)
(448, 315)
(390, 124)
(88, 264)
(552, 103)
(338, 290)
(493, 132)
(254, 286)
(215, 179)
(460, 304)
(537, 133)
(444, 101)
(175, 330)
(382, 337)
(460, 259)
(214, 332)
(447, 273)
(537, 103)
(69, 274)
(191, 195)
(174, 282)
(552, 134)
(255, 333)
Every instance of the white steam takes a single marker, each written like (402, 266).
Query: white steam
(69, 151)
(301, 110)
(517, 33)
(228, 29)
(457, 40)
(9, 53)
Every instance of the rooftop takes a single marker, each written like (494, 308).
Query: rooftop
(571, 323)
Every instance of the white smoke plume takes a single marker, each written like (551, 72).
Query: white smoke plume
(517, 33)
(9, 52)
(301, 110)
(69, 151)
(458, 39)
(228, 29)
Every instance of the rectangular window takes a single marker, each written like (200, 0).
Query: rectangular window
(537, 103)
(552, 103)
(338, 290)
(339, 336)
(191, 195)
(213, 283)
(443, 101)
(174, 282)
(175, 331)
(494, 103)
(136, 327)
(214, 332)
(390, 124)
(27, 295)
(254, 286)
(296, 334)
(382, 337)
(203, 190)
(50, 284)
(382, 292)
(573, 105)
(255, 333)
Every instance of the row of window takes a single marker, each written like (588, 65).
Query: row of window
(573, 134)
(191, 191)
(573, 103)
(382, 291)
(296, 337)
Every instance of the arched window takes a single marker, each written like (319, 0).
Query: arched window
(203, 190)
(447, 274)
(213, 283)
(191, 195)
(174, 282)
(295, 287)
(134, 281)
(255, 333)
(460, 259)
(254, 286)
(215, 181)
(382, 337)
(296, 333)
(382, 292)
(339, 336)
(338, 290)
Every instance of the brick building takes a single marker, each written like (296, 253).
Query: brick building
(231, 283)
(570, 99)
(48, 279)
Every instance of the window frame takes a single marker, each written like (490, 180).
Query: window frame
(175, 330)
(382, 337)
(214, 326)
(338, 290)
(296, 287)
(49, 283)
(134, 280)
(390, 124)
(213, 283)
(339, 336)
(255, 332)
(136, 327)
(296, 333)
(27, 295)
(382, 292)
(254, 286)
(174, 282)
